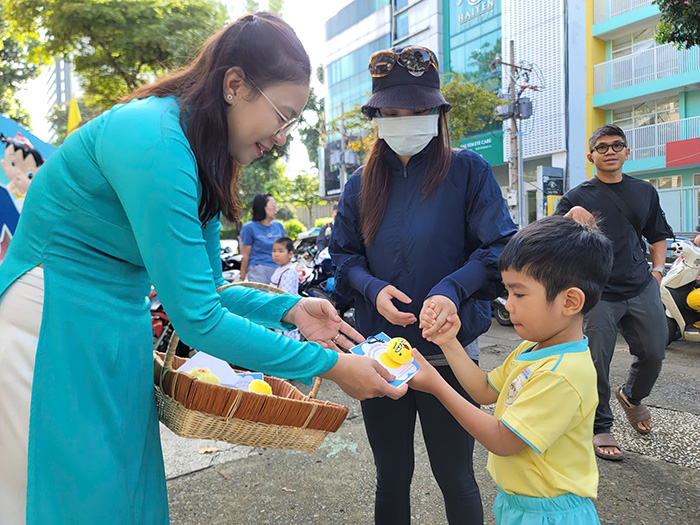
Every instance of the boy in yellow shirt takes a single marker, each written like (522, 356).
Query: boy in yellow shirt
(540, 437)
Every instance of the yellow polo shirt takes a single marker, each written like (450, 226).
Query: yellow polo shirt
(548, 398)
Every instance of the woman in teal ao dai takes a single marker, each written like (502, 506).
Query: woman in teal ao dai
(133, 198)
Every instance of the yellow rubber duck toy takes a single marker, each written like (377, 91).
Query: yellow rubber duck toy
(398, 352)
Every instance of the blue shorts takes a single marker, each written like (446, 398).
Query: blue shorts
(568, 509)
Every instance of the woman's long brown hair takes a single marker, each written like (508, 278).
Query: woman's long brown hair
(269, 52)
(376, 178)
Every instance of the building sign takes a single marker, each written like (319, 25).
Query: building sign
(488, 145)
(473, 10)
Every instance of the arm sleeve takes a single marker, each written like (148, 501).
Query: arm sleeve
(542, 410)
(347, 249)
(148, 162)
(656, 228)
(489, 227)
(247, 237)
(563, 206)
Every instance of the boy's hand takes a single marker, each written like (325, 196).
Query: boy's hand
(432, 315)
(427, 379)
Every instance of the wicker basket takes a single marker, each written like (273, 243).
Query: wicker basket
(286, 419)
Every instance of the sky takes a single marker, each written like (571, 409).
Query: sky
(307, 17)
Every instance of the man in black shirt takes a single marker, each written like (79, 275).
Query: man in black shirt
(626, 209)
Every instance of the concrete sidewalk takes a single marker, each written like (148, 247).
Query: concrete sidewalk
(658, 482)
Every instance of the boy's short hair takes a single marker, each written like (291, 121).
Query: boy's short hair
(607, 130)
(559, 253)
(287, 242)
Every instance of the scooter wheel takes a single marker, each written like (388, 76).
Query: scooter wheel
(502, 316)
(673, 330)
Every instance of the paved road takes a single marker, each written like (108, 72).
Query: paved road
(657, 483)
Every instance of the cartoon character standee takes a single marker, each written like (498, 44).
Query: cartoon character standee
(20, 164)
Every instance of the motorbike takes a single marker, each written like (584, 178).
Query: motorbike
(680, 292)
(319, 281)
(163, 329)
(498, 309)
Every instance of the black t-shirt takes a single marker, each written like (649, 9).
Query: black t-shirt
(630, 272)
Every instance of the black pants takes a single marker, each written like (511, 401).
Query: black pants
(642, 322)
(390, 428)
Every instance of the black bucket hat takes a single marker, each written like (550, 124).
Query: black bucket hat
(399, 89)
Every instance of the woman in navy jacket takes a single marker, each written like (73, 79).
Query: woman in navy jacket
(419, 226)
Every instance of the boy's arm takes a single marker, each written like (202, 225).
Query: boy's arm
(485, 428)
(469, 375)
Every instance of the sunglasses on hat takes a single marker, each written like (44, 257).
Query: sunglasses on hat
(416, 60)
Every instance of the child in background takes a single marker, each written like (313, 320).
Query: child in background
(285, 276)
(540, 439)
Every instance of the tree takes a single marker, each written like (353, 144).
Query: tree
(305, 192)
(472, 107)
(251, 6)
(275, 6)
(58, 118)
(481, 61)
(311, 134)
(18, 64)
(360, 132)
(117, 45)
(680, 23)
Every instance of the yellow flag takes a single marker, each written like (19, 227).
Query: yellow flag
(73, 116)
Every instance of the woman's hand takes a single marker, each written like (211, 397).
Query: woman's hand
(436, 315)
(362, 377)
(387, 309)
(318, 320)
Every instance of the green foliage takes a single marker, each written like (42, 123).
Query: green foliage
(251, 6)
(360, 132)
(264, 175)
(680, 23)
(117, 45)
(311, 133)
(293, 227)
(275, 6)
(18, 64)
(472, 107)
(304, 191)
(481, 61)
(322, 221)
(229, 233)
(58, 117)
(285, 210)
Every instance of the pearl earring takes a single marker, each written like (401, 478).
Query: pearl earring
(229, 96)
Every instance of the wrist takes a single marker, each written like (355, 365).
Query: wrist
(658, 269)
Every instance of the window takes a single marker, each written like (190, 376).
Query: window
(400, 4)
(351, 14)
(401, 30)
(662, 183)
(647, 113)
(629, 44)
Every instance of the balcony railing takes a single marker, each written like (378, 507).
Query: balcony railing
(605, 9)
(650, 141)
(644, 66)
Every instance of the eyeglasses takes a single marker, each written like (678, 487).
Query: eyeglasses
(416, 60)
(288, 125)
(617, 147)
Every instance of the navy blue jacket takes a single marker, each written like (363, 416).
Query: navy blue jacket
(446, 244)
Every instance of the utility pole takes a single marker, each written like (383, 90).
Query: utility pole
(516, 109)
(514, 164)
(343, 169)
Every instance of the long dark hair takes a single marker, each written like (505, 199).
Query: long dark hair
(259, 204)
(376, 179)
(269, 52)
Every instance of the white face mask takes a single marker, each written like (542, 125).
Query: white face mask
(407, 136)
